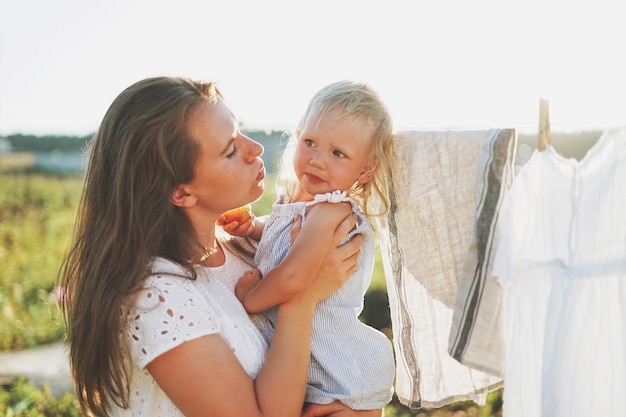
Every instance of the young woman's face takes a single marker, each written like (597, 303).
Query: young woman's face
(332, 154)
(229, 171)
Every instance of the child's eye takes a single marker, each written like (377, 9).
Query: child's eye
(232, 154)
(339, 154)
(309, 143)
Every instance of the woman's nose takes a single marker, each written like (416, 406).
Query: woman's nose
(251, 148)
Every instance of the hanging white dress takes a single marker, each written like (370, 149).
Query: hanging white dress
(561, 258)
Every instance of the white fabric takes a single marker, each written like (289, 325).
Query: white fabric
(172, 309)
(350, 361)
(562, 259)
(336, 196)
(425, 244)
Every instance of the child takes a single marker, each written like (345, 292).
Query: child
(340, 152)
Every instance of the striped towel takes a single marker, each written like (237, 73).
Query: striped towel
(477, 334)
(435, 248)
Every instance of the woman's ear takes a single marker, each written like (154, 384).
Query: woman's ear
(368, 172)
(182, 198)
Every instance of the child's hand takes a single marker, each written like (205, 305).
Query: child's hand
(246, 283)
(235, 228)
(238, 221)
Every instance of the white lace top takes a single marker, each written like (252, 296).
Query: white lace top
(172, 309)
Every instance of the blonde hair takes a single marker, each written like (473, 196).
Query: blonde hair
(350, 99)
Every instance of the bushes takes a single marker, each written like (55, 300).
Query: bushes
(36, 218)
(19, 398)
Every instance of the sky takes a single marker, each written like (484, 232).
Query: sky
(437, 64)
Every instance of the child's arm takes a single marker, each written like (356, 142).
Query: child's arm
(285, 281)
(251, 227)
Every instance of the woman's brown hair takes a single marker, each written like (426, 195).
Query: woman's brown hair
(139, 155)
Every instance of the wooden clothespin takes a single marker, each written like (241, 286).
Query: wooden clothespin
(544, 125)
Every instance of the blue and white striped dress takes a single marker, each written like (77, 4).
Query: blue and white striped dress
(350, 361)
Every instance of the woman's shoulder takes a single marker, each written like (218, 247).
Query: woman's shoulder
(165, 282)
(163, 266)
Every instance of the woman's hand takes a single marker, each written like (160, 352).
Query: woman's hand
(337, 409)
(344, 226)
(339, 263)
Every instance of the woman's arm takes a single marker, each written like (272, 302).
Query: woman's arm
(203, 376)
(337, 409)
(287, 279)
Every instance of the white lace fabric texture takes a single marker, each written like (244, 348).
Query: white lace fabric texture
(172, 309)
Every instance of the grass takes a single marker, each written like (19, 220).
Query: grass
(36, 217)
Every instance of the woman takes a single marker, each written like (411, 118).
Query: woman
(153, 325)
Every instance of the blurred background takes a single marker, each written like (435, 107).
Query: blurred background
(438, 65)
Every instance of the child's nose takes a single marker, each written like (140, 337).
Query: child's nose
(317, 160)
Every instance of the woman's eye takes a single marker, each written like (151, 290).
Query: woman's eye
(232, 154)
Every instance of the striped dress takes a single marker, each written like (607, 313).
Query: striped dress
(350, 361)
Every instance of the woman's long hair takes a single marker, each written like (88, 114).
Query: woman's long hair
(140, 154)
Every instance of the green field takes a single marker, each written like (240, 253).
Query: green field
(36, 218)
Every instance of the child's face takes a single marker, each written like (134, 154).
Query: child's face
(333, 154)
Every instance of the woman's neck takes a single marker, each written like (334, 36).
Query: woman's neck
(211, 253)
(213, 256)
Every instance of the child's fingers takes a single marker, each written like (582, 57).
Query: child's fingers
(246, 283)
(231, 227)
(235, 228)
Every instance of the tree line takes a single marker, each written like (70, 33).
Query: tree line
(47, 143)
(272, 141)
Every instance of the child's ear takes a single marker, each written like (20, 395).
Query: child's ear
(368, 172)
(182, 198)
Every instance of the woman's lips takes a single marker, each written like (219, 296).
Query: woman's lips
(261, 175)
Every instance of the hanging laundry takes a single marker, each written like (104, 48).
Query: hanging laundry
(477, 332)
(428, 237)
(561, 258)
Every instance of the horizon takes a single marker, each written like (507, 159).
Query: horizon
(268, 131)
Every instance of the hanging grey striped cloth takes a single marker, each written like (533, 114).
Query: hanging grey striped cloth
(477, 334)
(440, 205)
